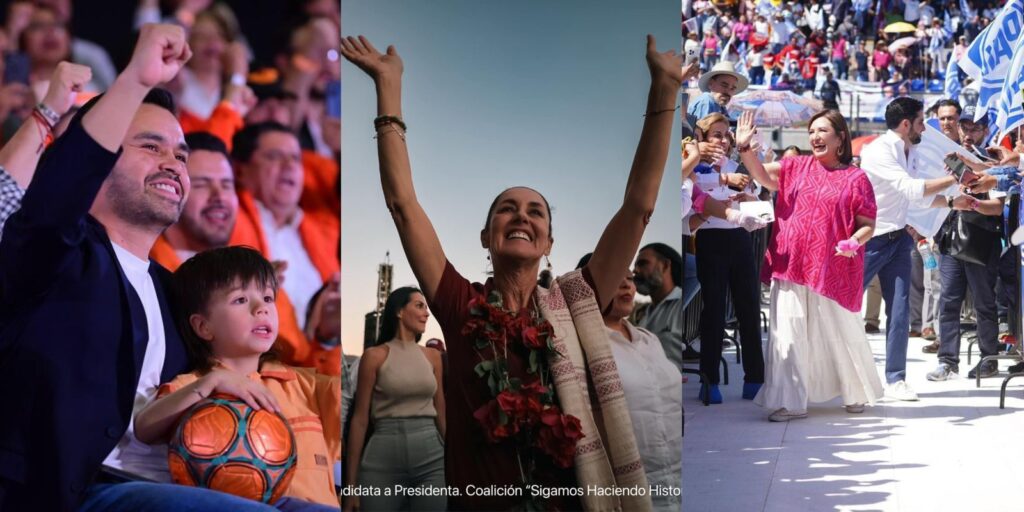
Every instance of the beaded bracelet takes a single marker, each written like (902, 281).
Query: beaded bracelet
(394, 128)
(51, 117)
(382, 121)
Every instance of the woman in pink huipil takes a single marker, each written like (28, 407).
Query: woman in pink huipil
(825, 212)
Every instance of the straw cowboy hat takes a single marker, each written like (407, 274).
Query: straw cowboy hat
(723, 68)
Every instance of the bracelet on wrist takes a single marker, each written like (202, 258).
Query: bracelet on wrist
(949, 202)
(382, 121)
(49, 115)
(656, 112)
(743, 149)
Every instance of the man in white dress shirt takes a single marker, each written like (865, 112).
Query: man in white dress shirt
(890, 162)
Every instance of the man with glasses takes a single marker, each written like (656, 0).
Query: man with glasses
(268, 161)
(958, 275)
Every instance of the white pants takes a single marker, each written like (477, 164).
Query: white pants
(816, 351)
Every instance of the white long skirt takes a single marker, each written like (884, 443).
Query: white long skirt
(816, 351)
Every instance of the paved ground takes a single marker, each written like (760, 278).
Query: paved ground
(954, 450)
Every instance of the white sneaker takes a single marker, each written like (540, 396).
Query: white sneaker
(786, 415)
(901, 391)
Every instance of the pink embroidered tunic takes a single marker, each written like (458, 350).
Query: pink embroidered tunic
(816, 208)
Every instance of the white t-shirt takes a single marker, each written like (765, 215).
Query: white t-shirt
(302, 279)
(755, 59)
(780, 33)
(130, 454)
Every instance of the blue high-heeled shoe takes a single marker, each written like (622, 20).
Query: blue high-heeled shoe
(715, 396)
(750, 390)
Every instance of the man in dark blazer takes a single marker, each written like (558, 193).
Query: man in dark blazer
(83, 331)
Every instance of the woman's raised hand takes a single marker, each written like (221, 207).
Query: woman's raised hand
(745, 129)
(664, 65)
(378, 65)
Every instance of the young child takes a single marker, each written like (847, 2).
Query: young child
(228, 320)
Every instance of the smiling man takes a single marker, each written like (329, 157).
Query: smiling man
(208, 221)
(86, 332)
(718, 86)
(209, 214)
(891, 162)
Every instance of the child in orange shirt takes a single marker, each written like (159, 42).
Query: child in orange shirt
(229, 322)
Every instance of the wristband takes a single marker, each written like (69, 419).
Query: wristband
(48, 114)
(237, 79)
(949, 202)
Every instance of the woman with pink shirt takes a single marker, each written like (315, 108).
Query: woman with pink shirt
(710, 45)
(880, 62)
(825, 212)
(742, 29)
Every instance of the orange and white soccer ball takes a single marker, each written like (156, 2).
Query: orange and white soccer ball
(223, 444)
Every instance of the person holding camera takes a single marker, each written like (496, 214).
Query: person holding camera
(971, 239)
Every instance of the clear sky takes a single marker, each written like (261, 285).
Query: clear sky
(497, 94)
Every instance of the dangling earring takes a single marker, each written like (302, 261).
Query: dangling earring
(548, 262)
(489, 270)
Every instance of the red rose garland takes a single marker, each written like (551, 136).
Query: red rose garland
(522, 409)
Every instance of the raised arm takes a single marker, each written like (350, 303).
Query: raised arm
(621, 238)
(765, 174)
(20, 155)
(691, 157)
(881, 166)
(161, 52)
(422, 247)
(41, 237)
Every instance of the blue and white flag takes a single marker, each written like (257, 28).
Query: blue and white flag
(953, 85)
(1009, 111)
(947, 23)
(989, 56)
(966, 12)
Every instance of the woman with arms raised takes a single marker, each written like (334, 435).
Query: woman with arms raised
(518, 399)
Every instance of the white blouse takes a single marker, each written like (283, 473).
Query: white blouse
(651, 384)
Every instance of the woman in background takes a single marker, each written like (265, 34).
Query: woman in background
(400, 391)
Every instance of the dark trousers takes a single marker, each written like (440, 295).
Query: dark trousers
(888, 257)
(841, 68)
(725, 260)
(957, 277)
(757, 75)
(1006, 289)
